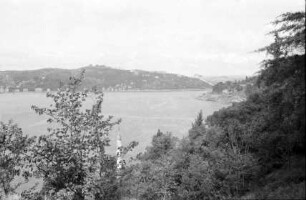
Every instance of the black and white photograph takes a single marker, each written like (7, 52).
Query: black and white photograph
(152, 99)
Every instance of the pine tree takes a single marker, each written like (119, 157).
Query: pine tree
(199, 120)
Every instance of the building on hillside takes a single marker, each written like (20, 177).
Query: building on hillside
(16, 90)
(25, 90)
(1, 89)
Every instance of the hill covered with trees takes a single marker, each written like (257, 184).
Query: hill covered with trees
(101, 77)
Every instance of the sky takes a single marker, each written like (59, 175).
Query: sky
(206, 37)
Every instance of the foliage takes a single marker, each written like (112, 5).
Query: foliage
(72, 156)
(14, 147)
(289, 35)
(199, 120)
(162, 144)
(198, 167)
(228, 85)
(152, 177)
(247, 150)
(271, 123)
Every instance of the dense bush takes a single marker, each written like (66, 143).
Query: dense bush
(14, 157)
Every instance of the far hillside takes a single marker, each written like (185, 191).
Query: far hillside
(246, 86)
(216, 79)
(231, 91)
(101, 77)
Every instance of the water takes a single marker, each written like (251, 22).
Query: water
(142, 113)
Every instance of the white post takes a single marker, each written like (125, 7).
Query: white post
(119, 153)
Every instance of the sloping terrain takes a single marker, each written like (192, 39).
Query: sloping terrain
(101, 77)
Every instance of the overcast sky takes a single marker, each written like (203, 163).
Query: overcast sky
(208, 37)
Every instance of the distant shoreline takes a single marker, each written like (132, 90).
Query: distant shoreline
(162, 90)
(122, 91)
(223, 98)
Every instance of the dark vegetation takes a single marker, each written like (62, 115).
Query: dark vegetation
(71, 158)
(231, 91)
(246, 86)
(100, 77)
(250, 150)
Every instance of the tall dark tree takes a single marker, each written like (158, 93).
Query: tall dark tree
(271, 123)
(283, 78)
(199, 120)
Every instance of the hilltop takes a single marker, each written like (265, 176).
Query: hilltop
(102, 77)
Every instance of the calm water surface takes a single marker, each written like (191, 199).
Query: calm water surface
(142, 113)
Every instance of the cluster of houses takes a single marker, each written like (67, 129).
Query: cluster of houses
(116, 89)
(17, 90)
(233, 90)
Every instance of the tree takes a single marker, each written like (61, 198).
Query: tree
(219, 87)
(72, 158)
(199, 120)
(152, 176)
(270, 125)
(289, 35)
(14, 147)
(162, 144)
(283, 78)
(197, 128)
